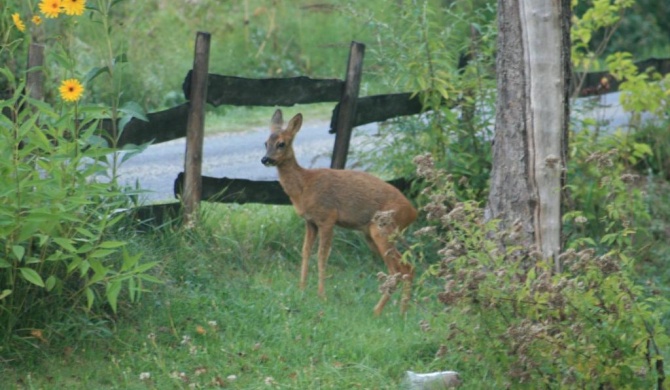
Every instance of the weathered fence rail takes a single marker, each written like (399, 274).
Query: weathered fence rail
(379, 108)
(239, 91)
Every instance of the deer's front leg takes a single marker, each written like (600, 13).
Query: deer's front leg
(308, 243)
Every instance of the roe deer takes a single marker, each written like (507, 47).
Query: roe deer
(349, 199)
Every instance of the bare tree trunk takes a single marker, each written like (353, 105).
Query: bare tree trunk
(531, 120)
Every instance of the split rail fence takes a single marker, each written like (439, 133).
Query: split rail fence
(201, 88)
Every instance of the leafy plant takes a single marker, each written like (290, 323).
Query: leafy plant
(444, 55)
(61, 209)
(590, 325)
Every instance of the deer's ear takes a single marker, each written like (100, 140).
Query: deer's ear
(294, 124)
(277, 122)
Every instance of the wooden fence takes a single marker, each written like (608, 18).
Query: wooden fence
(349, 111)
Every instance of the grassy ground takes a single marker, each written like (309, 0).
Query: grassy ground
(230, 315)
(237, 119)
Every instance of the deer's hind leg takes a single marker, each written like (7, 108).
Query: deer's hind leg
(393, 259)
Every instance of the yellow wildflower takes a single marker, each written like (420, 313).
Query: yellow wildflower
(71, 90)
(50, 8)
(74, 7)
(37, 20)
(18, 22)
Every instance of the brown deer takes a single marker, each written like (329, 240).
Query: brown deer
(349, 199)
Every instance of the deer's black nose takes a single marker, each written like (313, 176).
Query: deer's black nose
(267, 161)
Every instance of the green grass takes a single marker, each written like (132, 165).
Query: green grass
(253, 38)
(237, 119)
(231, 290)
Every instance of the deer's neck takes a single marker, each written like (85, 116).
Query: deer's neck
(291, 177)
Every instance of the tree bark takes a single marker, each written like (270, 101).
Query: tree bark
(533, 65)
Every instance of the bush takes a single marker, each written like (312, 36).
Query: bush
(61, 212)
(591, 325)
(445, 54)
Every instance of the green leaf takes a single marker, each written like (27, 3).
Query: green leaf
(51, 282)
(84, 266)
(95, 72)
(32, 260)
(65, 243)
(150, 278)
(87, 247)
(90, 297)
(113, 290)
(19, 252)
(74, 264)
(129, 261)
(4, 263)
(9, 75)
(44, 108)
(5, 293)
(85, 232)
(112, 244)
(97, 112)
(145, 267)
(101, 253)
(132, 290)
(134, 110)
(99, 270)
(32, 276)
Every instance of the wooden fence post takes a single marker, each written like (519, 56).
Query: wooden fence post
(35, 78)
(195, 129)
(345, 117)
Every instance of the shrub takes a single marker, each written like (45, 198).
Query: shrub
(590, 326)
(61, 212)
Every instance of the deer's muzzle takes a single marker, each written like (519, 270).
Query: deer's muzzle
(268, 162)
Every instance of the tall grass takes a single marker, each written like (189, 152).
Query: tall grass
(251, 38)
(230, 306)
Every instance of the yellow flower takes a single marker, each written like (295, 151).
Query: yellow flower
(18, 22)
(50, 8)
(37, 20)
(74, 7)
(71, 90)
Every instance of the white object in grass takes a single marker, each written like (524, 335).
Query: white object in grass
(433, 381)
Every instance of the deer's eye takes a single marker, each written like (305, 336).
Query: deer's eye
(281, 144)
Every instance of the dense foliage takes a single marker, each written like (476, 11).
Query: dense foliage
(62, 211)
(592, 325)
